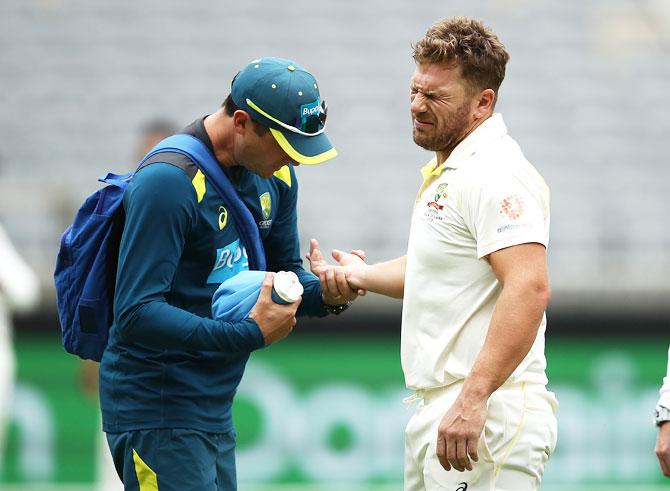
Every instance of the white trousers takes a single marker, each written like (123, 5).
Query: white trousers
(518, 437)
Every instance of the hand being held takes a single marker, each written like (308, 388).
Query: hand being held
(339, 284)
(353, 264)
(275, 320)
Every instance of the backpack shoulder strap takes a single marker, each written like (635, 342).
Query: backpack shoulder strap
(173, 158)
(118, 180)
(196, 151)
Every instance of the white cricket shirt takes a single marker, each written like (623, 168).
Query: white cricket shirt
(664, 400)
(485, 197)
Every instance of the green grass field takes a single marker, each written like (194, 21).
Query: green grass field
(369, 371)
(339, 487)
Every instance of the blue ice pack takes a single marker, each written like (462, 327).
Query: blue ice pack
(236, 296)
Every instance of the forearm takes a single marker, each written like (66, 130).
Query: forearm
(162, 326)
(512, 332)
(312, 303)
(387, 278)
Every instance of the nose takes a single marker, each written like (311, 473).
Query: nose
(418, 104)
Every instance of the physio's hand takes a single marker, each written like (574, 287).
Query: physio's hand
(663, 448)
(275, 320)
(459, 432)
(335, 286)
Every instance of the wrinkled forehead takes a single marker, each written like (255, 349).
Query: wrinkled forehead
(436, 76)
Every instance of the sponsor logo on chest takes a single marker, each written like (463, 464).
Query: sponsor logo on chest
(230, 260)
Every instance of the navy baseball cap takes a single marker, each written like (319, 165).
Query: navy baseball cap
(283, 96)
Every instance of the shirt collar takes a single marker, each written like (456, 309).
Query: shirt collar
(492, 128)
(430, 169)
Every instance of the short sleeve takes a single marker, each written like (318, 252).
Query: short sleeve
(503, 211)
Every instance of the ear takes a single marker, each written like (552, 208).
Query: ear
(241, 121)
(484, 103)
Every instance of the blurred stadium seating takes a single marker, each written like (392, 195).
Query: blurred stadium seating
(583, 96)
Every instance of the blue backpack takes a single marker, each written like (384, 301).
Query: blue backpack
(87, 261)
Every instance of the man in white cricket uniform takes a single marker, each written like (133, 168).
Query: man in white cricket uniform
(662, 419)
(474, 281)
(19, 292)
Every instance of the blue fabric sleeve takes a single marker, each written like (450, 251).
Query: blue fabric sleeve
(161, 209)
(282, 250)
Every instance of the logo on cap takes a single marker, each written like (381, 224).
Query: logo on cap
(312, 116)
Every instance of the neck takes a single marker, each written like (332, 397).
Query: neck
(443, 155)
(219, 128)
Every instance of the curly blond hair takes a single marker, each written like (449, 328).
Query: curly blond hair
(468, 43)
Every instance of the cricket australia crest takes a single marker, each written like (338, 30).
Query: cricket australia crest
(266, 208)
(266, 205)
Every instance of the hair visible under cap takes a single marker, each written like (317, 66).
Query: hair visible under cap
(229, 107)
(471, 45)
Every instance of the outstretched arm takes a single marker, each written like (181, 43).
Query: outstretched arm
(353, 274)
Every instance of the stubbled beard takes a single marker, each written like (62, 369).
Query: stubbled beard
(447, 139)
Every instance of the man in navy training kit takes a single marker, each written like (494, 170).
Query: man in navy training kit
(169, 373)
